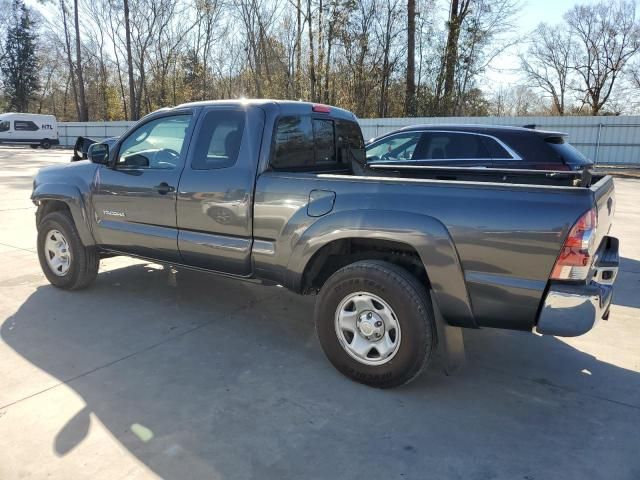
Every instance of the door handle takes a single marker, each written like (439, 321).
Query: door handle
(164, 188)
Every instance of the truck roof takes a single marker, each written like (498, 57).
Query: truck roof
(280, 106)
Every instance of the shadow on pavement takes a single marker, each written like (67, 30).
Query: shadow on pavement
(627, 291)
(204, 377)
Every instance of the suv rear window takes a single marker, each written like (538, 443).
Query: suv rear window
(309, 143)
(567, 152)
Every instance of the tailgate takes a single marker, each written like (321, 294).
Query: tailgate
(604, 193)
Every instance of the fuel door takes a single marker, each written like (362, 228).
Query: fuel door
(320, 202)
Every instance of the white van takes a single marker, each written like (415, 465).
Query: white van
(29, 128)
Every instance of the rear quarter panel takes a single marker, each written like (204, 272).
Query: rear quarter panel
(505, 237)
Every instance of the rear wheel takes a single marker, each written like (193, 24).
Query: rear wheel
(375, 323)
(64, 260)
(46, 144)
(34, 145)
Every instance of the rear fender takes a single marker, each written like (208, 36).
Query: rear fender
(72, 197)
(425, 234)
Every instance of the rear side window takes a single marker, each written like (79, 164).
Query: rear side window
(350, 142)
(324, 140)
(496, 150)
(307, 143)
(567, 152)
(293, 143)
(219, 139)
(21, 125)
(451, 146)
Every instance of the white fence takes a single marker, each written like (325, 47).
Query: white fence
(68, 132)
(612, 140)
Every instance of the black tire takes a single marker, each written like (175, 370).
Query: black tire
(34, 145)
(85, 261)
(412, 306)
(46, 144)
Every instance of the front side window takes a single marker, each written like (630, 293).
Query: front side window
(219, 139)
(452, 146)
(156, 144)
(4, 126)
(25, 126)
(395, 148)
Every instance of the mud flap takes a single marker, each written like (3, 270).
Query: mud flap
(450, 342)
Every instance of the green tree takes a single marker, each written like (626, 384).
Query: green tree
(19, 65)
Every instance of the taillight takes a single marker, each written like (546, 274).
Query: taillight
(318, 108)
(574, 260)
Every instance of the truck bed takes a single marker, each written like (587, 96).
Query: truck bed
(506, 235)
(492, 175)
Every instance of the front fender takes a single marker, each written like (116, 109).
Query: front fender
(425, 234)
(71, 196)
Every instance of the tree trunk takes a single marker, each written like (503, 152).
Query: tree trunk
(320, 51)
(312, 69)
(134, 106)
(410, 95)
(298, 88)
(72, 77)
(82, 100)
(451, 57)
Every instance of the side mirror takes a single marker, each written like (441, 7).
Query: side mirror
(99, 153)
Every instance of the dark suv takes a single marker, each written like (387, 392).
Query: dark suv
(477, 146)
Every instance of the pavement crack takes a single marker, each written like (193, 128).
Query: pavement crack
(563, 388)
(18, 248)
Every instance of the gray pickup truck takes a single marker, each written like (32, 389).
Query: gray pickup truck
(400, 256)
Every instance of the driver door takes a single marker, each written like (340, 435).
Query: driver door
(134, 198)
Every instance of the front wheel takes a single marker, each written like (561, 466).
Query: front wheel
(375, 323)
(64, 260)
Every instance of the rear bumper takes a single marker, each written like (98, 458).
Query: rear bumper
(570, 310)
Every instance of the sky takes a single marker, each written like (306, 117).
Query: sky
(504, 70)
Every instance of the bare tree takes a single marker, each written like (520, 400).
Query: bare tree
(83, 114)
(388, 30)
(486, 34)
(607, 36)
(134, 103)
(547, 63)
(458, 11)
(410, 91)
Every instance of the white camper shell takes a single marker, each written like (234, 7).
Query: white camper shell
(29, 128)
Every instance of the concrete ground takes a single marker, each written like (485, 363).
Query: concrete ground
(145, 375)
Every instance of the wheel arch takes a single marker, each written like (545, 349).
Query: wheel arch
(418, 243)
(59, 197)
